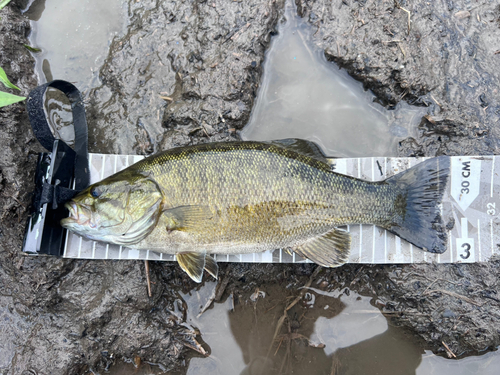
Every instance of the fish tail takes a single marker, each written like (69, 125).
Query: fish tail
(417, 215)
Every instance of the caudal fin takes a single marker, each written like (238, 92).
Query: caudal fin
(418, 217)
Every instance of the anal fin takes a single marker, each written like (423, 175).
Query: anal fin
(330, 250)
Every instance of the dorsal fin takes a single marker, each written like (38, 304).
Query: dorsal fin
(302, 146)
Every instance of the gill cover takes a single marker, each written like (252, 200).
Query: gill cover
(120, 209)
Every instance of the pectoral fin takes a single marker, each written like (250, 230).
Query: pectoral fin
(330, 250)
(194, 264)
(186, 217)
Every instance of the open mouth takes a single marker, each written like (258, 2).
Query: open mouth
(77, 215)
(73, 210)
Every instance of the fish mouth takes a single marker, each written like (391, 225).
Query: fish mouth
(78, 215)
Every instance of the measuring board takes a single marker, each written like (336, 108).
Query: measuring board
(471, 201)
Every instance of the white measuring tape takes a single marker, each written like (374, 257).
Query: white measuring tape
(472, 200)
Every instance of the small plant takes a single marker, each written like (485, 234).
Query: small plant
(5, 97)
(3, 3)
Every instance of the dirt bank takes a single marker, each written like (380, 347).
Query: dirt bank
(66, 317)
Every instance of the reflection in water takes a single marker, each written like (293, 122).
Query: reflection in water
(327, 332)
(359, 321)
(324, 331)
(304, 96)
(74, 36)
(488, 364)
(225, 354)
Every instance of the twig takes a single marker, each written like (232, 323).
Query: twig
(407, 11)
(448, 350)
(304, 288)
(146, 263)
(356, 277)
(209, 302)
(456, 295)
(402, 50)
(204, 130)
(431, 284)
(293, 303)
(335, 366)
(279, 346)
(433, 98)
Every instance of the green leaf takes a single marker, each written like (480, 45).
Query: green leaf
(3, 3)
(32, 49)
(7, 99)
(5, 80)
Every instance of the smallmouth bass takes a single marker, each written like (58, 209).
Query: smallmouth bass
(245, 197)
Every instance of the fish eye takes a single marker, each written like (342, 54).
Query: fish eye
(95, 192)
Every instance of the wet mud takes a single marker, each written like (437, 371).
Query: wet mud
(69, 317)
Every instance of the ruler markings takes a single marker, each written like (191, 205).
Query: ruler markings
(491, 237)
(80, 248)
(479, 240)
(102, 165)
(492, 176)
(362, 170)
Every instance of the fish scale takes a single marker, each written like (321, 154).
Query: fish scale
(247, 197)
(261, 196)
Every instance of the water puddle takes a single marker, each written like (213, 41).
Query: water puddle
(74, 37)
(332, 332)
(302, 95)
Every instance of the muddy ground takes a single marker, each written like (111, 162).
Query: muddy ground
(65, 317)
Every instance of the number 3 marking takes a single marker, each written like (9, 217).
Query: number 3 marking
(466, 247)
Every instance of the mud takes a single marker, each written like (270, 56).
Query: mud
(68, 317)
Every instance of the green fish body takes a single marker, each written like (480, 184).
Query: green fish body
(245, 197)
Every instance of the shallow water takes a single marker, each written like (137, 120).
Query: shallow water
(74, 37)
(302, 95)
(332, 332)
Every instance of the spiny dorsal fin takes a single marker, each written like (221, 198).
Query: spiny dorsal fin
(303, 147)
(211, 266)
(186, 217)
(330, 250)
(193, 264)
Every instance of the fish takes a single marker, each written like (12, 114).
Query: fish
(249, 197)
